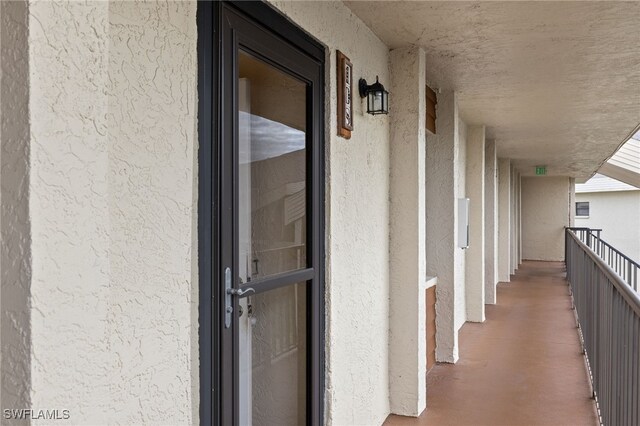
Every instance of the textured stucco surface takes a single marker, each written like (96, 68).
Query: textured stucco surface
(491, 222)
(111, 151)
(518, 207)
(515, 183)
(443, 187)
(545, 213)
(114, 293)
(357, 229)
(407, 340)
(114, 146)
(152, 112)
(460, 255)
(15, 227)
(572, 202)
(504, 219)
(70, 293)
(475, 254)
(552, 81)
(519, 219)
(617, 213)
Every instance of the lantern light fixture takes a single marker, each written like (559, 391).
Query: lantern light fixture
(377, 97)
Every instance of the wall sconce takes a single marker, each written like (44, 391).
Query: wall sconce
(377, 97)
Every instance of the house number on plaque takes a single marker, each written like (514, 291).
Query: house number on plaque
(345, 95)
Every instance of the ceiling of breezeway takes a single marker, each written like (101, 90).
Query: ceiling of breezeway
(556, 83)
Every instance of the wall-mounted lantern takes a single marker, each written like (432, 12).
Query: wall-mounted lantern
(377, 97)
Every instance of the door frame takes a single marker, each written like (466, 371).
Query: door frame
(210, 193)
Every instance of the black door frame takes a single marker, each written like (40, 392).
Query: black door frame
(212, 195)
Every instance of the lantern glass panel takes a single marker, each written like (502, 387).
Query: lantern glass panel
(385, 101)
(377, 101)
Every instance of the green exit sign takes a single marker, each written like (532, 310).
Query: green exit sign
(541, 170)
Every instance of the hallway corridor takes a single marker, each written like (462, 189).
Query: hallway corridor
(522, 366)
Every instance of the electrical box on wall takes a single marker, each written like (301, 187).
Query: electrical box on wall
(463, 223)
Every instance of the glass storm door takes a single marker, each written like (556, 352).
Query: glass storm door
(270, 228)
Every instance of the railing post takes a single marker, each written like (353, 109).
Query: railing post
(566, 249)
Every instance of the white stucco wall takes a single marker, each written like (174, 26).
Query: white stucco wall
(545, 213)
(113, 201)
(491, 222)
(617, 213)
(357, 280)
(445, 183)
(70, 194)
(475, 254)
(113, 144)
(515, 183)
(504, 219)
(518, 207)
(407, 320)
(460, 255)
(572, 202)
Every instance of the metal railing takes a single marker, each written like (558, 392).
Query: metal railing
(624, 266)
(608, 313)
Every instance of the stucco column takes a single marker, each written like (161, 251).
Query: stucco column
(504, 219)
(442, 252)
(514, 223)
(98, 178)
(407, 346)
(475, 273)
(15, 225)
(519, 219)
(572, 202)
(71, 290)
(491, 222)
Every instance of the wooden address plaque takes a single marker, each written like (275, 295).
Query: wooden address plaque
(432, 102)
(345, 95)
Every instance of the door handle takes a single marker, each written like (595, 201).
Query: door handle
(239, 292)
(228, 300)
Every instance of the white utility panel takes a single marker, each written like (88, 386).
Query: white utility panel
(463, 223)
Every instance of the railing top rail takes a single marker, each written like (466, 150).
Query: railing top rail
(627, 292)
(627, 258)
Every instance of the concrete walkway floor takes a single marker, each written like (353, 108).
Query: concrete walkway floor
(522, 366)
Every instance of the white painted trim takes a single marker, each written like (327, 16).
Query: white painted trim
(429, 282)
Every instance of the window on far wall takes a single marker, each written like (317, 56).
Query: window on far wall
(582, 208)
